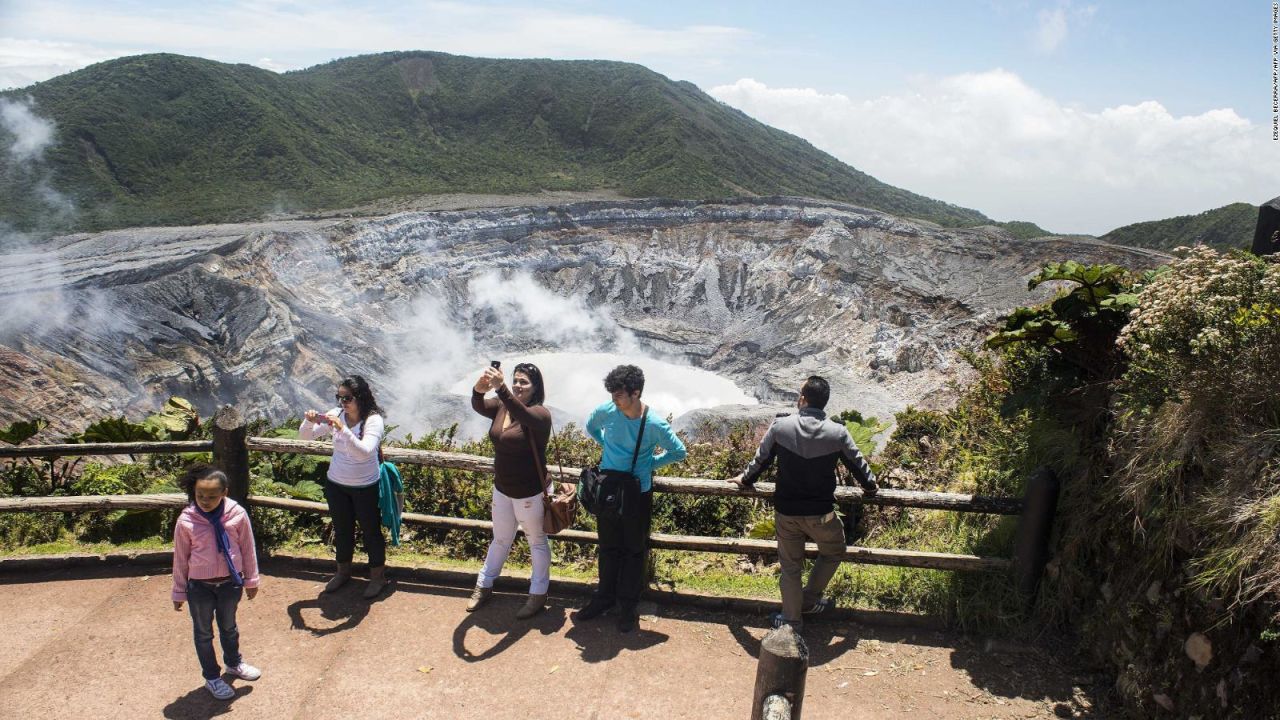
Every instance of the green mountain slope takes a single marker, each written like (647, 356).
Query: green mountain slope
(1224, 228)
(163, 139)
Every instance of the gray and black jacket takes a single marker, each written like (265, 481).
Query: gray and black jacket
(807, 446)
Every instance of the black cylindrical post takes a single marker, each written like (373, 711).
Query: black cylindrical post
(784, 660)
(1035, 528)
(230, 453)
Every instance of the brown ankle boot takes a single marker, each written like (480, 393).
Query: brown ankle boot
(534, 605)
(479, 596)
(339, 578)
(377, 581)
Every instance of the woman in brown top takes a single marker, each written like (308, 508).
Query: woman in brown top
(517, 414)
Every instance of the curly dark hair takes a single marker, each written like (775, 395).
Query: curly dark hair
(197, 472)
(624, 377)
(532, 372)
(367, 406)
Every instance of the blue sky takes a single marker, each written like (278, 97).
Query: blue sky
(1080, 116)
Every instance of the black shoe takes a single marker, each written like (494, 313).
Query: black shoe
(817, 608)
(627, 620)
(594, 609)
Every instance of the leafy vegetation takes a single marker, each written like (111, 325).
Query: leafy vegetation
(442, 491)
(1229, 227)
(168, 139)
(19, 432)
(1167, 446)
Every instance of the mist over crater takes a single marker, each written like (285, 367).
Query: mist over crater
(759, 293)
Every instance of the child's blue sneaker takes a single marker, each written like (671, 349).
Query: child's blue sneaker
(219, 688)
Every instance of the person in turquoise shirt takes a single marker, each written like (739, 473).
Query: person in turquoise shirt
(624, 541)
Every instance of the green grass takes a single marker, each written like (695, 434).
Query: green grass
(69, 544)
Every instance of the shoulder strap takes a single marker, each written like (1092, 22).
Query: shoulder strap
(644, 418)
(541, 462)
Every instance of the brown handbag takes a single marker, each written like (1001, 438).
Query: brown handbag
(560, 507)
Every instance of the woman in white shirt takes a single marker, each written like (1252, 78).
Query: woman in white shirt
(352, 491)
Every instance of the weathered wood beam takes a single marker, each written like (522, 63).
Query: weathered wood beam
(87, 503)
(664, 541)
(129, 448)
(958, 502)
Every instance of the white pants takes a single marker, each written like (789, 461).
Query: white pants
(507, 514)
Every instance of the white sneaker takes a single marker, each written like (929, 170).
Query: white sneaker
(219, 689)
(245, 671)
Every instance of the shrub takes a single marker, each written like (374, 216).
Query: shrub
(19, 529)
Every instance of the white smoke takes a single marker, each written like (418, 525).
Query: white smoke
(522, 306)
(28, 307)
(26, 136)
(443, 347)
(31, 133)
(430, 353)
(36, 301)
(575, 383)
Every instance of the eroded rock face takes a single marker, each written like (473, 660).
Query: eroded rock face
(267, 316)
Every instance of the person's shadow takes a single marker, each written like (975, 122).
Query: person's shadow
(200, 704)
(344, 608)
(825, 641)
(498, 618)
(599, 640)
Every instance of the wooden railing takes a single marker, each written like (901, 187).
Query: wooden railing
(231, 446)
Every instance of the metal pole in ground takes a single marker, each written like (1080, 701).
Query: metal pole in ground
(784, 660)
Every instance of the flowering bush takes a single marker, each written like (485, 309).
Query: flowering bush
(1207, 331)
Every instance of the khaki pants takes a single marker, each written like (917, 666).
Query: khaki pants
(793, 531)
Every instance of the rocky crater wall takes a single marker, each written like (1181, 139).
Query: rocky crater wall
(765, 292)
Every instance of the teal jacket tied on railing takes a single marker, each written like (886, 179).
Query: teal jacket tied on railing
(390, 499)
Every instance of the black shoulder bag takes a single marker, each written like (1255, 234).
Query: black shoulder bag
(603, 492)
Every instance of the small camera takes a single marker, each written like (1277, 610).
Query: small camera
(495, 363)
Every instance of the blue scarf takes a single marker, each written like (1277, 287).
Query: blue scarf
(224, 540)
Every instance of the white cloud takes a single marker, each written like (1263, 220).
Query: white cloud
(1053, 25)
(292, 35)
(26, 61)
(1051, 29)
(267, 63)
(991, 142)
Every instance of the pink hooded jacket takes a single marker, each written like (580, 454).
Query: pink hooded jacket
(195, 550)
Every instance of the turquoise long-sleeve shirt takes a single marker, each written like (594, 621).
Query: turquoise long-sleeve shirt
(617, 433)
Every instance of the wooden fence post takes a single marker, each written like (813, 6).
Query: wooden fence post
(230, 453)
(1035, 527)
(784, 660)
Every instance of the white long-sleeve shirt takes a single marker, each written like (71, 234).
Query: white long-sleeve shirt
(355, 458)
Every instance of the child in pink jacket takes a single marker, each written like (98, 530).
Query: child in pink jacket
(213, 560)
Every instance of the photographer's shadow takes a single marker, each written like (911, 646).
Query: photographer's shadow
(344, 610)
(599, 640)
(497, 618)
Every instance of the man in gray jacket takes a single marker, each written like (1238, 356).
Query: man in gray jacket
(807, 446)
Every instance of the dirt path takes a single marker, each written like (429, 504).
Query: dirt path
(106, 643)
